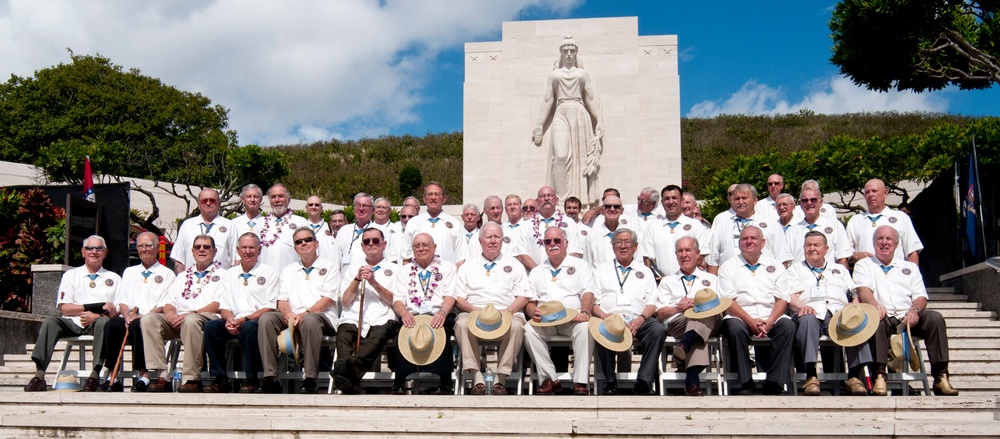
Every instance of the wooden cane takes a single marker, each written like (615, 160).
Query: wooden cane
(121, 352)
(361, 315)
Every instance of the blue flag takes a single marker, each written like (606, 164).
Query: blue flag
(970, 212)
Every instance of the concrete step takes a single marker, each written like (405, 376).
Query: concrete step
(939, 305)
(973, 323)
(951, 314)
(933, 297)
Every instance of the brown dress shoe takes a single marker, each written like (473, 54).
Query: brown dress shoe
(581, 389)
(36, 385)
(90, 385)
(694, 390)
(223, 386)
(880, 388)
(857, 387)
(499, 389)
(161, 385)
(478, 389)
(191, 386)
(812, 387)
(549, 387)
(943, 387)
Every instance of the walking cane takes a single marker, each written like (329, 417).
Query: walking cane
(118, 363)
(361, 315)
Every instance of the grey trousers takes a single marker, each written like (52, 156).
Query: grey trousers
(650, 335)
(778, 364)
(807, 333)
(54, 328)
(311, 330)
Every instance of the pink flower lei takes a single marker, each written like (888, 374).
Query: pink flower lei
(278, 229)
(415, 297)
(536, 222)
(187, 294)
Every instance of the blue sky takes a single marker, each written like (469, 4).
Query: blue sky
(298, 71)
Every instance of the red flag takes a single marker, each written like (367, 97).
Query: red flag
(88, 181)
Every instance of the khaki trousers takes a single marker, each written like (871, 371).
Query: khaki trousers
(510, 344)
(155, 330)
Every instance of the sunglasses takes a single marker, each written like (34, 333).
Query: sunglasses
(208, 201)
(613, 206)
(144, 246)
(529, 209)
(774, 183)
(314, 205)
(371, 241)
(808, 200)
(305, 240)
(94, 248)
(407, 216)
(202, 247)
(551, 241)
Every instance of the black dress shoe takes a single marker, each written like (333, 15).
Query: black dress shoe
(139, 386)
(117, 386)
(444, 390)
(36, 385)
(270, 385)
(642, 388)
(90, 386)
(397, 390)
(610, 390)
(105, 386)
(748, 389)
(772, 388)
(694, 390)
(308, 387)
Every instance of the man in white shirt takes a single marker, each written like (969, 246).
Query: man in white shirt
(393, 231)
(895, 286)
(85, 302)
(768, 206)
(210, 223)
(307, 295)
(726, 234)
(490, 278)
(833, 230)
(277, 250)
(252, 219)
(367, 293)
(657, 245)
(516, 233)
(192, 299)
(626, 287)
(142, 287)
(569, 281)
(597, 241)
(758, 286)
(249, 290)
(470, 230)
(444, 228)
(861, 227)
(549, 216)
(349, 239)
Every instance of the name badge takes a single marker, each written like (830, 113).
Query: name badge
(817, 292)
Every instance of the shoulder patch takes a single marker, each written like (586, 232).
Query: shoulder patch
(506, 239)
(583, 232)
(562, 225)
(762, 225)
(158, 279)
(624, 221)
(449, 224)
(687, 227)
(222, 229)
(109, 283)
(828, 230)
(835, 271)
(261, 280)
(907, 271)
(216, 278)
(659, 216)
(639, 275)
(508, 269)
(771, 269)
(329, 232)
(706, 282)
(892, 220)
(570, 270)
(292, 226)
(322, 272)
(438, 276)
(388, 273)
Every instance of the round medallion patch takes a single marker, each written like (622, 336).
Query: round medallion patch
(639, 275)
(158, 279)
(216, 278)
(388, 273)
(562, 225)
(506, 239)
(822, 210)
(828, 230)
(892, 220)
(109, 282)
(438, 277)
(771, 269)
(222, 229)
(762, 225)
(583, 232)
(261, 280)
(448, 225)
(329, 233)
(706, 282)
(292, 226)
(322, 272)
(687, 227)
(508, 269)
(570, 270)
(624, 221)
(907, 271)
(835, 271)
(658, 216)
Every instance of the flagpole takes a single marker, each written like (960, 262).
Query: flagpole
(957, 189)
(979, 197)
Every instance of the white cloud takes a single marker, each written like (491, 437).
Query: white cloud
(835, 95)
(289, 71)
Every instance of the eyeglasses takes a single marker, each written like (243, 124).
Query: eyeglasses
(371, 241)
(382, 207)
(362, 206)
(314, 205)
(202, 247)
(808, 200)
(613, 206)
(552, 241)
(421, 245)
(208, 201)
(774, 183)
(306, 240)
(529, 209)
(144, 246)
(621, 243)
(94, 248)
(641, 201)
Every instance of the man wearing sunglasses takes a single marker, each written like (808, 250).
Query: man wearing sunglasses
(307, 297)
(836, 237)
(597, 248)
(85, 302)
(768, 206)
(192, 299)
(249, 290)
(373, 322)
(277, 249)
(208, 222)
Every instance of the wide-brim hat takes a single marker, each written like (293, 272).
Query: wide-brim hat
(489, 323)
(611, 332)
(67, 383)
(707, 304)
(554, 313)
(854, 324)
(288, 341)
(902, 349)
(421, 344)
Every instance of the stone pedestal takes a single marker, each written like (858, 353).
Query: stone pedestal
(45, 288)
(636, 83)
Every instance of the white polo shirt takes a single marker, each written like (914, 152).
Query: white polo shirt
(425, 288)
(245, 293)
(78, 286)
(896, 286)
(190, 292)
(377, 312)
(567, 283)
(625, 292)
(500, 281)
(302, 287)
(861, 229)
(836, 238)
(823, 288)
(677, 286)
(725, 243)
(277, 244)
(444, 228)
(755, 290)
(142, 287)
(661, 236)
(220, 229)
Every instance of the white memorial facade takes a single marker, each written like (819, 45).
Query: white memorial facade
(579, 105)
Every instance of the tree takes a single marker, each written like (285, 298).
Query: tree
(917, 44)
(130, 125)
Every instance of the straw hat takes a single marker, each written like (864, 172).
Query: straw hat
(488, 323)
(421, 345)
(554, 313)
(612, 333)
(854, 324)
(707, 304)
(901, 346)
(67, 383)
(288, 341)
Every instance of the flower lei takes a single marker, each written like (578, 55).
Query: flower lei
(415, 298)
(187, 294)
(277, 233)
(536, 223)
